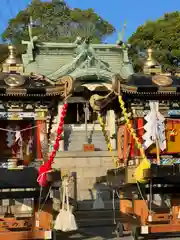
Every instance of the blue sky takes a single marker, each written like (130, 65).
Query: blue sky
(135, 12)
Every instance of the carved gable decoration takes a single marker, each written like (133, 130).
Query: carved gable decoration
(161, 80)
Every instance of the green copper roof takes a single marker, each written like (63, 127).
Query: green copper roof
(82, 61)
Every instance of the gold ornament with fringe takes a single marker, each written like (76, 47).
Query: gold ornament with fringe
(145, 163)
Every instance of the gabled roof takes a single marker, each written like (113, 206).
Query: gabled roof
(81, 61)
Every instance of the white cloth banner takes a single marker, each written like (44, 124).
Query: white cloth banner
(155, 127)
(18, 138)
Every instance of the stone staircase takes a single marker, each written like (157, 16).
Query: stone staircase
(87, 167)
(74, 140)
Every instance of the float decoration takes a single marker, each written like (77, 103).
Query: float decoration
(145, 163)
(46, 167)
(155, 129)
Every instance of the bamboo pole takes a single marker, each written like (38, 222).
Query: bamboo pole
(157, 152)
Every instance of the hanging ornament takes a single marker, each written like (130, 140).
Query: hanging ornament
(47, 166)
(172, 133)
(145, 163)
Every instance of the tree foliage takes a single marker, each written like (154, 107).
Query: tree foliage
(55, 21)
(163, 36)
(3, 52)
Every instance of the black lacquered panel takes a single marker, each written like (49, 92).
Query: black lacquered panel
(22, 178)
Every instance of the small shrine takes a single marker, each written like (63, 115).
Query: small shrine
(27, 101)
(28, 104)
(146, 172)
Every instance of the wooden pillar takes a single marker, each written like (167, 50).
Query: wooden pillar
(38, 143)
(140, 130)
(41, 136)
(112, 127)
(86, 112)
(132, 142)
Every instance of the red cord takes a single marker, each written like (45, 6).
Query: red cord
(47, 166)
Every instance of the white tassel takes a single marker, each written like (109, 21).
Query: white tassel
(65, 220)
(98, 203)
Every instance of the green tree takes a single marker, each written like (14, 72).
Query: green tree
(55, 21)
(3, 53)
(163, 36)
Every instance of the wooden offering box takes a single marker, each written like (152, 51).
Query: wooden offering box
(88, 147)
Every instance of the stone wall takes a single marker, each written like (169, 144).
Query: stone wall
(87, 166)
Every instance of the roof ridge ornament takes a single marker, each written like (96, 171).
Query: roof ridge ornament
(11, 63)
(162, 80)
(12, 55)
(150, 62)
(150, 65)
(120, 40)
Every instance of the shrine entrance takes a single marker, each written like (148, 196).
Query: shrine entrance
(82, 126)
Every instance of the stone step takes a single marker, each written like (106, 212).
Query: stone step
(76, 139)
(98, 218)
(78, 145)
(98, 222)
(88, 205)
(84, 132)
(84, 137)
(92, 214)
(83, 140)
(80, 148)
(78, 142)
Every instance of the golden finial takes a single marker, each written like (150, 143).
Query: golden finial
(12, 55)
(150, 62)
(11, 64)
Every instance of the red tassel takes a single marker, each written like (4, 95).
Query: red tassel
(43, 170)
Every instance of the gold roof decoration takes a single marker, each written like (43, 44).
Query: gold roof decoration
(12, 55)
(12, 64)
(150, 62)
(162, 80)
(150, 65)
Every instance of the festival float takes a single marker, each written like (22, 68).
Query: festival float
(27, 104)
(146, 175)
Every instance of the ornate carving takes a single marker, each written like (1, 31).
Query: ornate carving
(68, 84)
(116, 81)
(41, 115)
(14, 80)
(161, 80)
(13, 105)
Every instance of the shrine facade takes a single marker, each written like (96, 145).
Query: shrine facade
(91, 69)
